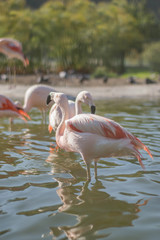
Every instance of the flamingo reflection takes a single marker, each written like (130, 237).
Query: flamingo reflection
(92, 206)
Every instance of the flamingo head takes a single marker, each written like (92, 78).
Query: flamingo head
(25, 61)
(19, 55)
(85, 97)
(18, 104)
(13, 49)
(58, 98)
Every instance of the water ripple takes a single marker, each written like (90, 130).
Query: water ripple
(44, 193)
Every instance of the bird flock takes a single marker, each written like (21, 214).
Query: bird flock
(90, 135)
(93, 136)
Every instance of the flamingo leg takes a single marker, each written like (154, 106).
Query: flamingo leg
(14, 75)
(54, 148)
(88, 172)
(43, 116)
(10, 124)
(95, 169)
(9, 76)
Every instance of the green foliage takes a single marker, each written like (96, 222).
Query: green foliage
(102, 71)
(151, 56)
(78, 34)
(140, 72)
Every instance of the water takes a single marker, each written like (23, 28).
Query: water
(44, 194)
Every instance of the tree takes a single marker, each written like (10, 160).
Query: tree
(151, 56)
(78, 34)
(120, 33)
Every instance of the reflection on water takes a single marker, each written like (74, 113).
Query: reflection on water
(95, 209)
(44, 193)
(92, 206)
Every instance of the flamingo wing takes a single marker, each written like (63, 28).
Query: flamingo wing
(104, 127)
(97, 125)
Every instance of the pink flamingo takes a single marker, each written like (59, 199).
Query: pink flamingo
(94, 136)
(35, 97)
(55, 114)
(13, 49)
(9, 109)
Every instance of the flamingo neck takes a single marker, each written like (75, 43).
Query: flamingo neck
(26, 109)
(78, 107)
(65, 116)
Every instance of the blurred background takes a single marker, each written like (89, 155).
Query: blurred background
(103, 38)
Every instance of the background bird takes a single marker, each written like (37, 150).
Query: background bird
(94, 136)
(55, 114)
(35, 97)
(13, 49)
(9, 109)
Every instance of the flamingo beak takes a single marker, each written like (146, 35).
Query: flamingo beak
(48, 99)
(93, 109)
(26, 61)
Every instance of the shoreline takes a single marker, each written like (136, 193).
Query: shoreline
(98, 92)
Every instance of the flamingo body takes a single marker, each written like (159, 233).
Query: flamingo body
(55, 114)
(9, 109)
(94, 136)
(13, 49)
(35, 97)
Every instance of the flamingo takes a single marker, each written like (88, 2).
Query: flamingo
(94, 136)
(9, 109)
(55, 114)
(35, 97)
(13, 49)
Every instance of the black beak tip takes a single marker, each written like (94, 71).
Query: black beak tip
(48, 99)
(93, 109)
